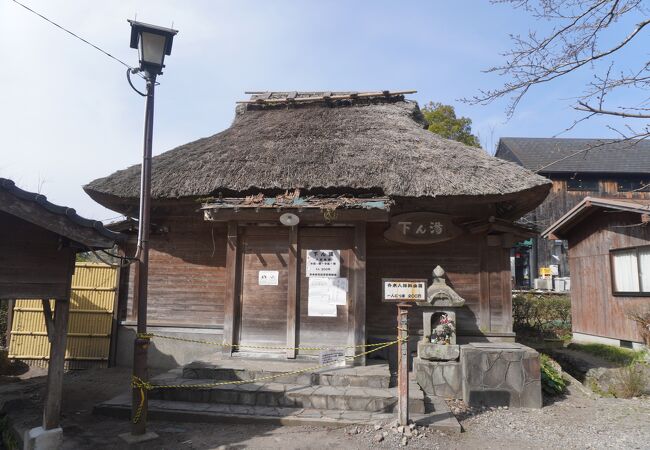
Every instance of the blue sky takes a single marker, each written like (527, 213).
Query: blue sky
(68, 115)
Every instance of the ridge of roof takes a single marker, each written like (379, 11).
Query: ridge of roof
(273, 97)
(69, 213)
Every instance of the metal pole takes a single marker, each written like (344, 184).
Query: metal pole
(403, 363)
(139, 405)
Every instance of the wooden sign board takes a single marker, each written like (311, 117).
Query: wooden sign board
(396, 290)
(422, 228)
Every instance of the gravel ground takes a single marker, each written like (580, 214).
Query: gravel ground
(571, 422)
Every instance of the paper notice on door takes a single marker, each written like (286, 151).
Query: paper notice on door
(339, 292)
(319, 299)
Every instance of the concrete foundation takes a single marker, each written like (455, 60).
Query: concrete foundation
(168, 353)
(41, 439)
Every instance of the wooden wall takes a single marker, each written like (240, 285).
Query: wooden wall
(480, 274)
(188, 276)
(34, 263)
(559, 202)
(186, 273)
(594, 309)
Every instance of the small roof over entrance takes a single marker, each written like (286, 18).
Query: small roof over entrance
(36, 209)
(591, 205)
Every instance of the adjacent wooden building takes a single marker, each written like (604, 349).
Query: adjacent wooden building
(38, 245)
(609, 256)
(302, 187)
(606, 168)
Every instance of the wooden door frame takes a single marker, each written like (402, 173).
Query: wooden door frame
(233, 298)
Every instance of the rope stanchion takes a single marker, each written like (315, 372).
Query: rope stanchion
(143, 386)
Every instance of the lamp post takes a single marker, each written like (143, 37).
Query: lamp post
(153, 43)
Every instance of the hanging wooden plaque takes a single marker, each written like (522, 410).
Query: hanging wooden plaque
(422, 228)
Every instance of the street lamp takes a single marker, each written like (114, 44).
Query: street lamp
(153, 43)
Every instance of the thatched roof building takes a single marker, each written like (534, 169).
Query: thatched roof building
(309, 186)
(325, 143)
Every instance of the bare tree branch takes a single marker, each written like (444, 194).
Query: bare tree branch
(583, 38)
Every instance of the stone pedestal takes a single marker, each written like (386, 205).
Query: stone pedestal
(501, 374)
(439, 378)
(438, 352)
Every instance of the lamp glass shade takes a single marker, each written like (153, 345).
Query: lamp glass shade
(152, 49)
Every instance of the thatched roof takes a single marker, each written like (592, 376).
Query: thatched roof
(373, 144)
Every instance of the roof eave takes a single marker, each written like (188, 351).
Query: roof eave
(589, 205)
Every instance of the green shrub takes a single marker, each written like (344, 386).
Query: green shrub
(631, 381)
(552, 381)
(545, 315)
(616, 355)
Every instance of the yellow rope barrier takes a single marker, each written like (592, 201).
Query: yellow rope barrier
(259, 347)
(142, 385)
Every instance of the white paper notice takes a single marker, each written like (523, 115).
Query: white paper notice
(268, 277)
(319, 302)
(339, 293)
(324, 263)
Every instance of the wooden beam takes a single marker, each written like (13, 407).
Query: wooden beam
(54, 383)
(293, 267)
(230, 301)
(117, 299)
(306, 215)
(49, 320)
(484, 290)
(10, 318)
(357, 307)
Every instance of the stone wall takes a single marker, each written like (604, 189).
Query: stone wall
(501, 375)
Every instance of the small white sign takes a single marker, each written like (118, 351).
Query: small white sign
(324, 263)
(268, 277)
(330, 356)
(405, 290)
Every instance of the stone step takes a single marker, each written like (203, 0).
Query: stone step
(340, 398)
(439, 418)
(372, 376)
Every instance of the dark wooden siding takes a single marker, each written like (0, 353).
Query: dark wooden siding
(186, 273)
(187, 281)
(33, 262)
(595, 310)
(480, 274)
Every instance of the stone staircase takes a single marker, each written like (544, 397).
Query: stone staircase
(343, 395)
(361, 389)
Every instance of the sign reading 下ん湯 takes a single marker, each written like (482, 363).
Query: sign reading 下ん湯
(324, 263)
(404, 290)
(421, 228)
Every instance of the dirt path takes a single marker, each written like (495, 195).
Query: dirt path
(572, 422)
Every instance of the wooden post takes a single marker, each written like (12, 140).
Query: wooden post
(357, 308)
(293, 268)
(403, 363)
(54, 383)
(10, 318)
(230, 301)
